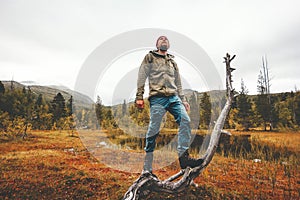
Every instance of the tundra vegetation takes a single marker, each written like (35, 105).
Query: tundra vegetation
(42, 156)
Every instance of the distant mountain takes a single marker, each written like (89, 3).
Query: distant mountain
(9, 84)
(49, 92)
(29, 83)
(188, 92)
(79, 98)
(213, 93)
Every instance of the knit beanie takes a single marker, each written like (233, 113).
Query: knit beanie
(160, 38)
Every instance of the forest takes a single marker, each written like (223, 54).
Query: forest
(22, 110)
(263, 111)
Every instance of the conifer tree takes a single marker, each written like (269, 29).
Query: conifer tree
(70, 106)
(244, 108)
(99, 109)
(297, 108)
(124, 108)
(264, 103)
(2, 91)
(205, 110)
(2, 88)
(58, 105)
(194, 112)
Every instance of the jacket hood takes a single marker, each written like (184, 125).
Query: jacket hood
(155, 52)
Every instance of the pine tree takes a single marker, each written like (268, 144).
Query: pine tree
(24, 90)
(285, 114)
(29, 108)
(39, 111)
(2, 91)
(40, 101)
(2, 88)
(264, 105)
(70, 106)
(99, 109)
(58, 107)
(124, 108)
(194, 112)
(69, 121)
(297, 108)
(205, 110)
(244, 108)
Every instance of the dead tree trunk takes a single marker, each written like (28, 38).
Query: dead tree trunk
(147, 183)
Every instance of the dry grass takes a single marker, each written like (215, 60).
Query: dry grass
(53, 165)
(262, 180)
(290, 140)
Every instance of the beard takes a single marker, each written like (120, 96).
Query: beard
(163, 48)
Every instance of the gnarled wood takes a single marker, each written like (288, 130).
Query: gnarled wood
(147, 183)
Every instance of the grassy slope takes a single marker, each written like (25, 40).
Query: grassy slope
(49, 92)
(53, 165)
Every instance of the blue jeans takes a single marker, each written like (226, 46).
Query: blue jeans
(158, 107)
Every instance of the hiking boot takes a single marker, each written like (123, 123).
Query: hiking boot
(146, 173)
(148, 162)
(186, 161)
(147, 169)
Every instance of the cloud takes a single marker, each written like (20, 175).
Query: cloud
(46, 37)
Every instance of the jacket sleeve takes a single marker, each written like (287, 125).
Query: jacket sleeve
(142, 76)
(178, 84)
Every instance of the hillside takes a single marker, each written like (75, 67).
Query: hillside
(48, 92)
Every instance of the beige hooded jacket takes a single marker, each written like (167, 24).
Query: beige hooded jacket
(163, 75)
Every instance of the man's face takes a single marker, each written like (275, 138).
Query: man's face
(163, 43)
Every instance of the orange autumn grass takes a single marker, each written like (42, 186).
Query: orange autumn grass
(53, 165)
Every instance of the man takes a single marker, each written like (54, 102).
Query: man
(165, 94)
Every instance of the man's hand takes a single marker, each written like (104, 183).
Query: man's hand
(187, 106)
(140, 104)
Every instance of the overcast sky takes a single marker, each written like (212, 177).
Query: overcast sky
(48, 41)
